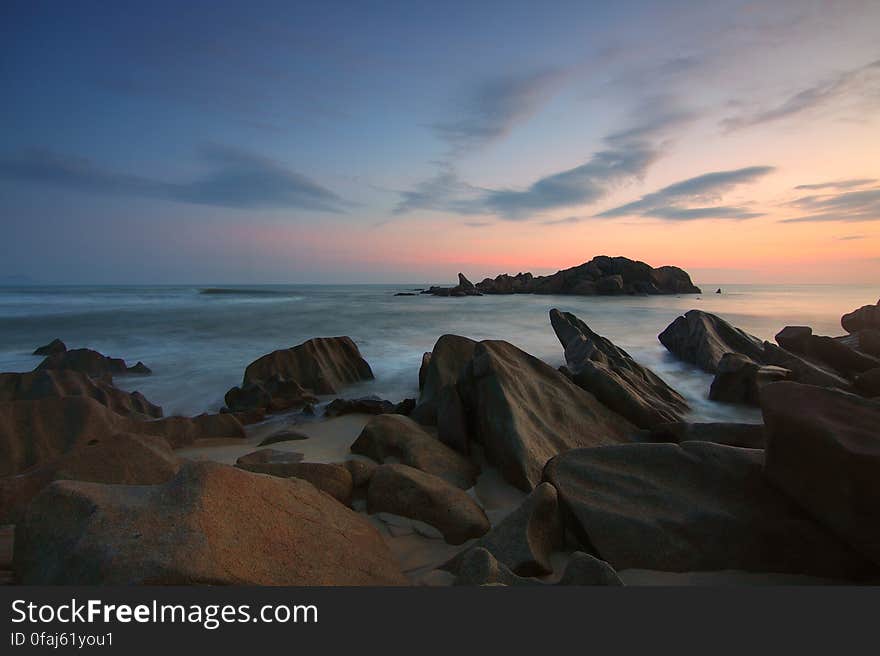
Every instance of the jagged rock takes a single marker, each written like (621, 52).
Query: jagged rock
(523, 412)
(183, 431)
(692, 507)
(270, 461)
(868, 383)
(272, 395)
(464, 284)
(211, 524)
(322, 365)
(58, 383)
(739, 379)
(53, 347)
(123, 458)
(823, 450)
(613, 377)
(400, 438)
(89, 362)
(412, 493)
(524, 540)
(702, 339)
(865, 318)
(444, 367)
(749, 436)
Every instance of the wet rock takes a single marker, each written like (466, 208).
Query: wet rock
(412, 493)
(702, 339)
(739, 379)
(53, 347)
(211, 524)
(613, 377)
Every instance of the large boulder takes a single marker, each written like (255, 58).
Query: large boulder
(91, 363)
(613, 377)
(335, 480)
(794, 338)
(323, 365)
(748, 436)
(868, 383)
(702, 339)
(692, 507)
(802, 370)
(123, 458)
(210, 524)
(839, 357)
(412, 493)
(270, 461)
(523, 412)
(57, 383)
(396, 438)
(272, 395)
(739, 379)
(183, 431)
(823, 450)
(524, 540)
(439, 371)
(865, 318)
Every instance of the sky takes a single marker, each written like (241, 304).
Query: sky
(291, 142)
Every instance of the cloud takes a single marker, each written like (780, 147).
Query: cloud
(494, 107)
(838, 184)
(235, 178)
(566, 221)
(850, 237)
(851, 206)
(862, 81)
(676, 202)
(627, 156)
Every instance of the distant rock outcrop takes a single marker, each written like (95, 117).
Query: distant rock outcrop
(91, 363)
(601, 275)
(53, 347)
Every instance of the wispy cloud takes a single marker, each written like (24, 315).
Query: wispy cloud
(852, 206)
(863, 82)
(850, 237)
(235, 178)
(691, 199)
(494, 107)
(838, 184)
(568, 220)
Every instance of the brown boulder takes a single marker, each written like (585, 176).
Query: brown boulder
(403, 440)
(865, 318)
(702, 339)
(210, 524)
(823, 450)
(524, 412)
(748, 436)
(270, 461)
(794, 338)
(448, 359)
(409, 492)
(868, 383)
(739, 379)
(272, 395)
(323, 365)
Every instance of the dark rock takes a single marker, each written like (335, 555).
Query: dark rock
(270, 461)
(335, 480)
(585, 569)
(610, 285)
(464, 284)
(480, 567)
(88, 362)
(823, 450)
(838, 356)
(53, 347)
(802, 370)
(423, 369)
(272, 395)
(866, 317)
(613, 377)
(523, 412)
(412, 493)
(368, 405)
(524, 540)
(405, 407)
(868, 341)
(361, 472)
(406, 294)
(322, 365)
(692, 507)
(794, 338)
(211, 524)
(444, 367)
(868, 383)
(740, 380)
(283, 436)
(451, 420)
(702, 339)
(749, 436)
(140, 368)
(718, 291)
(400, 438)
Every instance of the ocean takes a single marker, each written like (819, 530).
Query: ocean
(198, 344)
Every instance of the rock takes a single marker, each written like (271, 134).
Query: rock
(406, 294)
(368, 405)
(610, 285)
(123, 458)
(451, 420)
(868, 341)
(692, 507)
(88, 362)
(423, 369)
(58, 383)
(444, 368)
(247, 417)
(270, 461)
(399, 438)
(523, 412)
(613, 377)
(702, 339)
(868, 383)
(405, 407)
(823, 450)
(802, 370)
(585, 569)
(464, 284)
(524, 540)
(361, 472)
(479, 567)
(838, 356)
(183, 431)
(272, 395)
(794, 338)
(866, 317)
(749, 436)
(140, 368)
(283, 436)
(412, 493)
(335, 480)
(53, 347)
(718, 291)
(739, 379)
(211, 524)
(323, 365)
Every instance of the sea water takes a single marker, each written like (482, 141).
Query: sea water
(199, 339)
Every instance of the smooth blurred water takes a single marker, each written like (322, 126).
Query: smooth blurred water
(198, 344)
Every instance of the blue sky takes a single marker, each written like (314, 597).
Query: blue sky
(336, 142)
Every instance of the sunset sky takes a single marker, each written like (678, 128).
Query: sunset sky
(190, 142)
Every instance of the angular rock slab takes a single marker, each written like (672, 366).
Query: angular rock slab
(211, 524)
(692, 507)
(702, 339)
(613, 377)
(823, 450)
(524, 412)
(439, 370)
